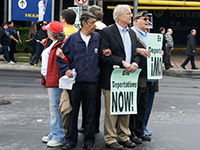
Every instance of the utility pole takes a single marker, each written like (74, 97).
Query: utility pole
(61, 8)
(52, 10)
(135, 10)
(9, 10)
(5, 11)
(100, 3)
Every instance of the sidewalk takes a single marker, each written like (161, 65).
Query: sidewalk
(177, 59)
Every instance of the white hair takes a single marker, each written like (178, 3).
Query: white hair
(119, 9)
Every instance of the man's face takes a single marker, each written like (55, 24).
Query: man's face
(11, 25)
(5, 26)
(143, 23)
(90, 26)
(126, 17)
(194, 32)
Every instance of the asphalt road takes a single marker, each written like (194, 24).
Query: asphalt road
(174, 120)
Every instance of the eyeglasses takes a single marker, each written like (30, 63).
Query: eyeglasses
(145, 19)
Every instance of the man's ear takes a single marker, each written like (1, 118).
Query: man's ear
(84, 23)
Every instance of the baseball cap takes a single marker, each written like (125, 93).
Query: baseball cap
(54, 26)
(142, 14)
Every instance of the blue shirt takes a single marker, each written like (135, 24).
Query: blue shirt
(126, 42)
(142, 35)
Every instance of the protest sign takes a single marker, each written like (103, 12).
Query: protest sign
(123, 93)
(154, 63)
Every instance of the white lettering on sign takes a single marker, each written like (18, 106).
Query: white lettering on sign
(22, 4)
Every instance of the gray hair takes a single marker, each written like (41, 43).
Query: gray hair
(97, 11)
(119, 9)
(59, 36)
(86, 17)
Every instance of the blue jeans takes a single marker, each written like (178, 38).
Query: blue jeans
(56, 125)
(5, 49)
(148, 109)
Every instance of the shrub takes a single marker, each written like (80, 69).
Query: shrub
(24, 35)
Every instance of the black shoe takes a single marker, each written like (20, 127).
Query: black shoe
(68, 146)
(171, 66)
(97, 131)
(81, 130)
(183, 67)
(145, 137)
(128, 144)
(89, 147)
(136, 140)
(114, 145)
(195, 68)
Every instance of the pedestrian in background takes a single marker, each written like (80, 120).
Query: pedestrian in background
(5, 42)
(14, 39)
(32, 36)
(191, 50)
(165, 60)
(169, 45)
(51, 73)
(40, 35)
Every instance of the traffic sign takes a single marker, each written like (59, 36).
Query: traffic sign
(81, 2)
(22, 4)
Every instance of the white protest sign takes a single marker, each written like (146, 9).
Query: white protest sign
(123, 93)
(154, 63)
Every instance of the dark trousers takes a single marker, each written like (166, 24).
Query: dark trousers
(12, 51)
(87, 93)
(39, 49)
(165, 60)
(136, 121)
(33, 53)
(189, 58)
(98, 110)
(148, 109)
(5, 49)
(168, 52)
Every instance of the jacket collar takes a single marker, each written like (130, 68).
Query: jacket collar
(79, 39)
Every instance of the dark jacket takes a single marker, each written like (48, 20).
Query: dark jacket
(41, 34)
(111, 39)
(142, 62)
(13, 32)
(85, 60)
(191, 45)
(4, 38)
(153, 87)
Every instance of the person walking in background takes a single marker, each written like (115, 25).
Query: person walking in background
(191, 50)
(40, 35)
(169, 45)
(165, 60)
(51, 73)
(5, 42)
(32, 36)
(14, 39)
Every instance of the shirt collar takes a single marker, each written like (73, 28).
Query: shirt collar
(122, 29)
(141, 32)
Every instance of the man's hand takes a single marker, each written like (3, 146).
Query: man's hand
(162, 52)
(143, 52)
(69, 73)
(60, 54)
(43, 41)
(134, 67)
(193, 51)
(172, 49)
(107, 52)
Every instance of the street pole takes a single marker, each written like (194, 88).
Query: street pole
(135, 7)
(5, 11)
(61, 8)
(52, 10)
(100, 3)
(95, 2)
(9, 10)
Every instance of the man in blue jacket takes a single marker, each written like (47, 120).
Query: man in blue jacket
(82, 50)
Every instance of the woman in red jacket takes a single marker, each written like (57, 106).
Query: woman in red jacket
(51, 73)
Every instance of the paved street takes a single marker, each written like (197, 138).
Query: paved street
(174, 120)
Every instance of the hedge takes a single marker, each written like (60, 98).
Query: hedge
(24, 35)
